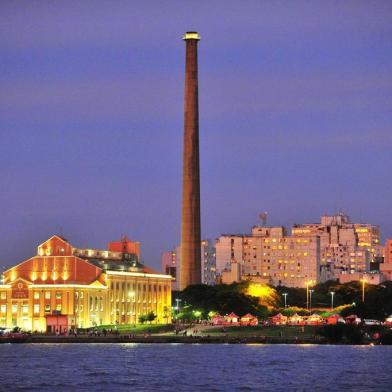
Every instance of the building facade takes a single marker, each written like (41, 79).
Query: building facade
(171, 264)
(386, 266)
(63, 287)
(268, 255)
(346, 247)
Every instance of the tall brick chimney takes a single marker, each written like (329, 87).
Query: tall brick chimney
(190, 268)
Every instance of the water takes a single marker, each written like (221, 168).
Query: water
(178, 367)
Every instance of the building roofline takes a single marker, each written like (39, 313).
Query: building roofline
(53, 236)
(140, 274)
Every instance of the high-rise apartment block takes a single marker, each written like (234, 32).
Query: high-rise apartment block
(346, 247)
(268, 255)
(171, 264)
(386, 266)
(313, 252)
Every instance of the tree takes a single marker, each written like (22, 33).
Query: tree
(151, 316)
(221, 299)
(142, 318)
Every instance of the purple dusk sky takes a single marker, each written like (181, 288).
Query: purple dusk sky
(295, 117)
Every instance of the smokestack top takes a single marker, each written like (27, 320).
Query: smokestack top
(191, 35)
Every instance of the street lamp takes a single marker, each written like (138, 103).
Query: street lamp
(364, 281)
(308, 283)
(332, 294)
(178, 300)
(310, 300)
(285, 299)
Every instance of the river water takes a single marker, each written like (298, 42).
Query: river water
(186, 367)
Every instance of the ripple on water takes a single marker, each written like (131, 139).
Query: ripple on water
(179, 367)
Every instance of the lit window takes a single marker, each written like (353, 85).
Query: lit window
(47, 308)
(14, 308)
(25, 309)
(47, 294)
(36, 294)
(58, 294)
(58, 307)
(3, 295)
(3, 308)
(36, 308)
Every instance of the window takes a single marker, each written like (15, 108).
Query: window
(47, 308)
(36, 308)
(58, 307)
(58, 295)
(3, 308)
(25, 309)
(36, 294)
(81, 308)
(14, 308)
(81, 295)
(47, 294)
(3, 295)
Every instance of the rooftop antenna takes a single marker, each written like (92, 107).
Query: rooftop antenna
(263, 217)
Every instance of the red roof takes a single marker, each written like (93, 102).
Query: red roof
(248, 315)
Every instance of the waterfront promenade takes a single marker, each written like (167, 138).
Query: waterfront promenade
(206, 334)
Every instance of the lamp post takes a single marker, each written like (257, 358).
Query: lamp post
(285, 299)
(307, 295)
(310, 300)
(308, 283)
(178, 300)
(332, 294)
(363, 280)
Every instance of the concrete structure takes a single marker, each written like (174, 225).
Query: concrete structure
(171, 264)
(386, 266)
(190, 228)
(66, 287)
(370, 277)
(388, 252)
(346, 247)
(268, 255)
(208, 262)
(125, 246)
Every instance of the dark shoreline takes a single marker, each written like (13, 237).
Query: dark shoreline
(169, 339)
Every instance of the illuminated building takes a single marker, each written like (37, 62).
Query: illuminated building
(346, 247)
(125, 246)
(386, 266)
(268, 255)
(171, 265)
(64, 287)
